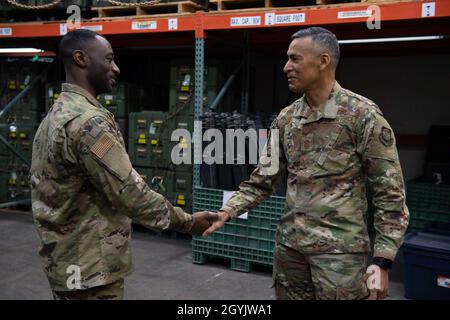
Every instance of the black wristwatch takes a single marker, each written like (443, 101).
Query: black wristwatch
(383, 263)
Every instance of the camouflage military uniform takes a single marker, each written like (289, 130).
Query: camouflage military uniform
(329, 154)
(85, 194)
(112, 291)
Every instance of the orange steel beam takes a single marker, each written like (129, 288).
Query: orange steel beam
(200, 22)
(199, 28)
(323, 15)
(116, 26)
(39, 54)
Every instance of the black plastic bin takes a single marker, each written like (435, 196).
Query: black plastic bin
(427, 266)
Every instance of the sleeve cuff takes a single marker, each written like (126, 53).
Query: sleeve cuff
(385, 254)
(230, 211)
(180, 221)
(383, 263)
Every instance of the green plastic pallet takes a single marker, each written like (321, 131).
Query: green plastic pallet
(241, 257)
(427, 203)
(243, 241)
(211, 199)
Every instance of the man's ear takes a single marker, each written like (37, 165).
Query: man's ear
(80, 58)
(325, 61)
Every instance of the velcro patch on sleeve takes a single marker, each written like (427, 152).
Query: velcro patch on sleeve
(102, 146)
(382, 144)
(112, 157)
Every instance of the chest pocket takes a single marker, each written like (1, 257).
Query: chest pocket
(334, 157)
(293, 137)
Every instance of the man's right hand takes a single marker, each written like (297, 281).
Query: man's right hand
(202, 221)
(222, 217)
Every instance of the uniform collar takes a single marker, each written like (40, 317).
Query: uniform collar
(330, 107)
(303, 110)
(327, 110)
(68, 87)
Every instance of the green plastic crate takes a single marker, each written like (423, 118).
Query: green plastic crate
(25, 138)
(182, 122)
(17, 186)
(182, 190)
(244, 241)
(4, 133)
(20, 136)
(211, 199)
(123, 100)
(9, 132)
(180, 68)
(162, 182)
(146, 174)
(184, 101)
(158, 180)
(181, 94)
(28, 117)
(427, 203)
(241, 257)
(123, 127)
(52, 92)
(3, 179)
(33, 99)
(148, 139)
(175, 187)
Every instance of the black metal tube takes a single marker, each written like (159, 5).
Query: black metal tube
(225, 87)
(15, 203)
(17, 153)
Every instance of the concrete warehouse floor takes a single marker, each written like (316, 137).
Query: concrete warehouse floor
(163, 269)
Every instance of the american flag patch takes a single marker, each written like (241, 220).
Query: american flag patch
(102, 146)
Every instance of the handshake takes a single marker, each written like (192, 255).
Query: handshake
(206, 222)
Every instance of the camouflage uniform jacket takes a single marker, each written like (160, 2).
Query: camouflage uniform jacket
(329, 155)
(85, 194)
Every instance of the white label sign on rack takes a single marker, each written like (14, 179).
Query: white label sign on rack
(144, 25)
(354, 14)
(62, 28)
(93, 28)
(5, 31)
(172, 24)
(269, 19)
(428, 9)
(226, 196)
(289, 18)
(245, 21)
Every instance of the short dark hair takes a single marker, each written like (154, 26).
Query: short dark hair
(324, 38)
(75, 40)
